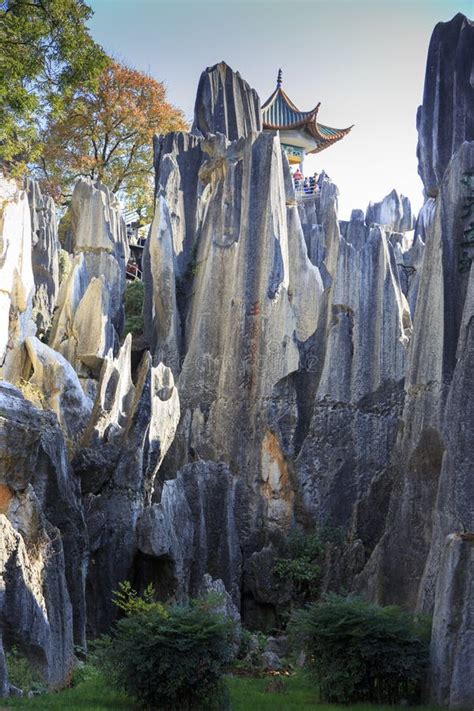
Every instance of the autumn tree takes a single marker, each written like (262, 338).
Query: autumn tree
(46, 51)
(107, 134)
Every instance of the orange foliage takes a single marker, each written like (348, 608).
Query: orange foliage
(107, 135)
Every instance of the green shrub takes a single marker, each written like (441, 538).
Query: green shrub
(302, 566)
(169, 658)
(359, 651)
(21, 672)
(249, 656)
(134, 298)
(131, 603)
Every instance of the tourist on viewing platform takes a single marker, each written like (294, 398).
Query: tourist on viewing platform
(297, 177)
(306, 187)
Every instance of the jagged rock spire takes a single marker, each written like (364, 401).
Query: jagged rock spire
(444, 125)
(226, 104)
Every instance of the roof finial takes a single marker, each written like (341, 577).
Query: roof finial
(279, 79)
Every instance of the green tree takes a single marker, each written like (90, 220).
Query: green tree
(46, 52)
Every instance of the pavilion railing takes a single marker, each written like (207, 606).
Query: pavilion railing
(303, 193)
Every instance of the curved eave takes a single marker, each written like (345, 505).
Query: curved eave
(327, 136)
(306, 122)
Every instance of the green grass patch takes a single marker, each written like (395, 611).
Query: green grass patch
(92, 694)
(247, 694)
(296, 694)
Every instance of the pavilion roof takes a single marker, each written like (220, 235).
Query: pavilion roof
(280, 113)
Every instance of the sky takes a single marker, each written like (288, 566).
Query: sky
(364, 60)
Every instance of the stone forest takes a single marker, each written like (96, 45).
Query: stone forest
(292, 372)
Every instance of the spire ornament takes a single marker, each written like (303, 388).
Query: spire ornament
(279, 79)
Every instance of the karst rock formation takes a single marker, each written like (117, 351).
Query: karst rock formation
(298, 370)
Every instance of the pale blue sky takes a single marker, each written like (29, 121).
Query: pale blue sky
(363, 59)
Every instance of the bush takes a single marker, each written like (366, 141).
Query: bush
(249, 655)
(131, 603)
(304, 562)
(169, 658)
(134, 298)
(22, 674)
(302, 567)
(361, 652)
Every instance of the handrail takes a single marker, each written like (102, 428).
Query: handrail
(135, 274)
(130, 216)
(308, 193)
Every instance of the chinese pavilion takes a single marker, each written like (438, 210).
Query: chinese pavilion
(300, 132)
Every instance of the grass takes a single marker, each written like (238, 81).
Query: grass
(247, 694)
(92, 694)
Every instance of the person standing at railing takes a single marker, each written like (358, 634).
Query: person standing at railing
(297, 178)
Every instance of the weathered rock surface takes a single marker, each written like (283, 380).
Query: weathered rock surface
(452, 640)
(17, 286)
(82, 328)
(35, 607)
(271, 661)
(178, 158)
(394, 211)
(132, 426)
(423, 559)
(45, 252)
(328, 419)
(312, 378)
(246, 294)
(55, 377)
(98, 232)
(96, 283)
(348, 393)
(44, 542)
(162, 323)
(278, 645)
(433, 448)
(409, 259)
(224, 603)
(445, 118)
(226, 104)
(252, 285)
(194, 530)
(263, 592)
